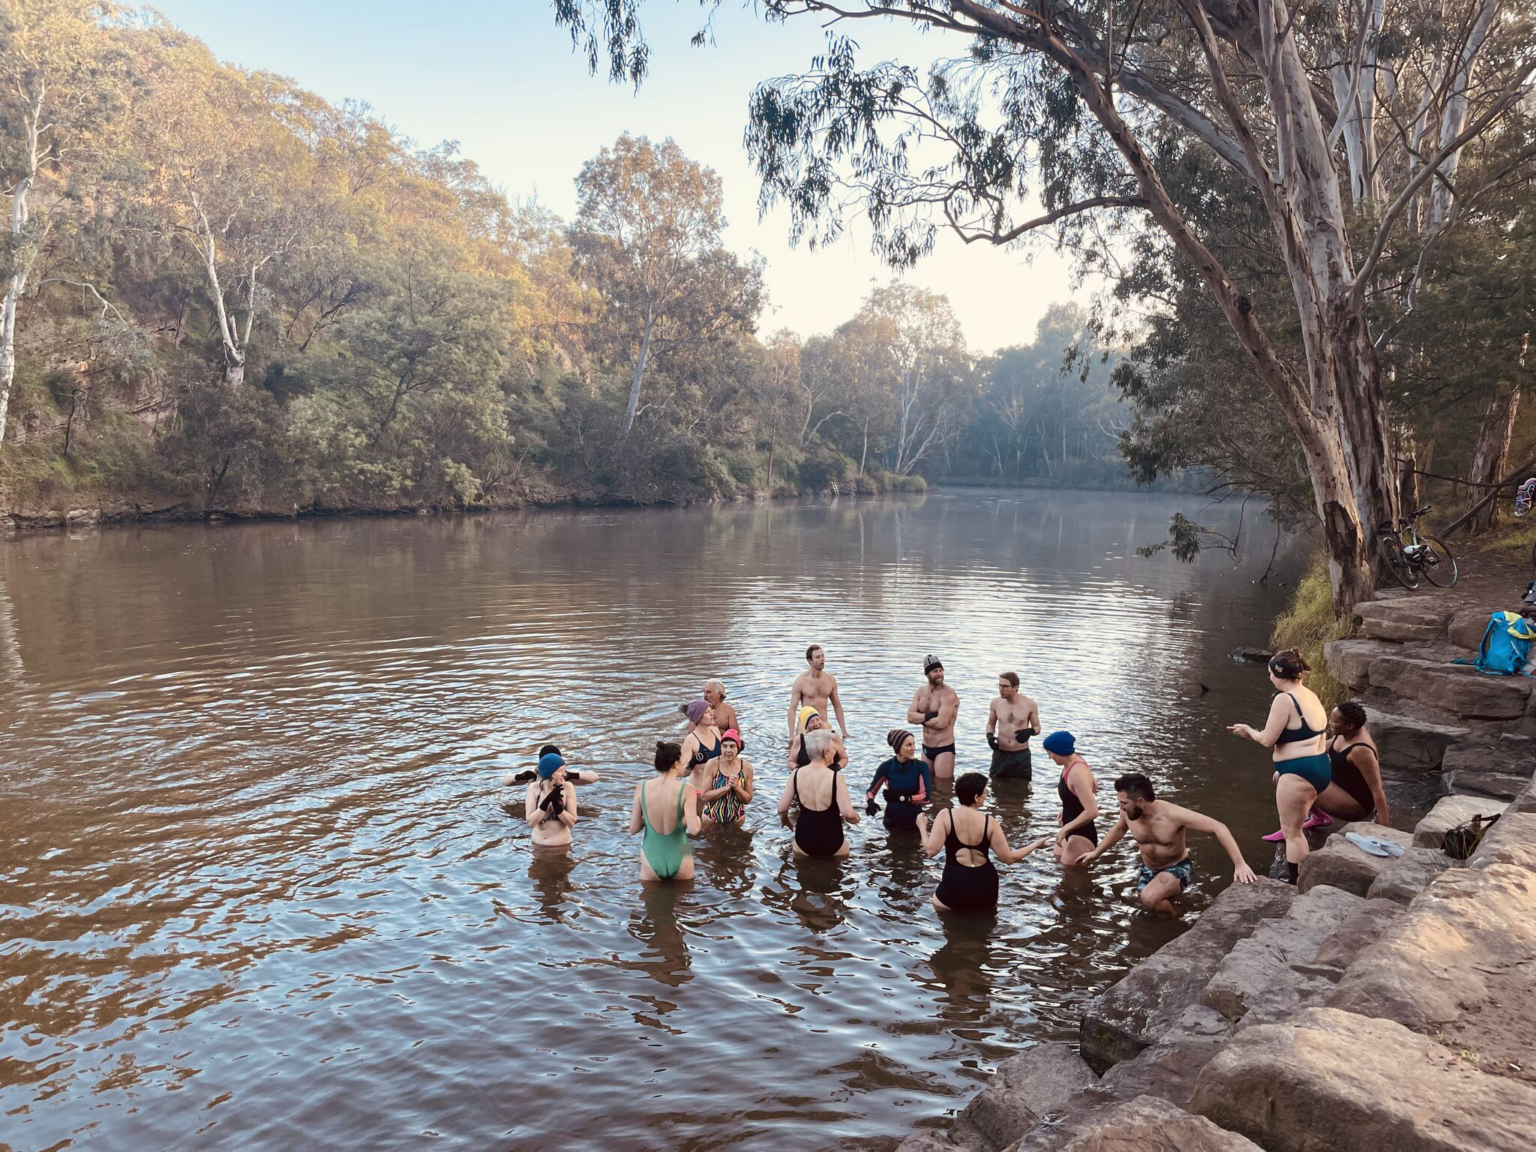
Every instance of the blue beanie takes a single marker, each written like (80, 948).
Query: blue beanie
(548, 763)
(1061, 743)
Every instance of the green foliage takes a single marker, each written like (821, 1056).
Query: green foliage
(1308, 623)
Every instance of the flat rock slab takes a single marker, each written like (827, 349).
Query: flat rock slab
(1451, 812)
(1274, 971)
(1466, 627)
(1411, 744)
(1402, 880)
(1335, 1081)
(1405, 620)
(1339, 864)
(1147, 1002)
(927, 1142)
(1147, 1124)
(1456, 688)
(1349, 661)
(1023, 1091)
(1460, 965)
(1510, 841)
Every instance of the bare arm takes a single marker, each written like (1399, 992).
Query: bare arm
(635, 823)
(947, 711)
(1034, 718)
(531, 810)
(914, 716)
(992, 718)
(1010, 855)
(1280, 709)
(1111, 838)
(933, 837)
(788, 796)
(837, 708)
(585, 776)
(794, 703)
(744, 786)
(691, 810)
(568, 816)
(1370, 770)
(794, 750)
(1083, 789)
(844, 802)
(1241, 873)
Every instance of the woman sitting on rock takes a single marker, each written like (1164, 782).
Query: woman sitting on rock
(1297, 730)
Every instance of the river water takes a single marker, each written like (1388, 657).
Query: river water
(259, 889)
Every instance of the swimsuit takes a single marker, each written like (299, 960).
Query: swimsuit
(1350, 778)
(1014, 765)
(907, 786)
(727, 807)
(1184, 871)
(931, 754)
(1072, 807)
(664, 851)
(1315, 770)
(701, 756)
(818, 832)
(967, 887)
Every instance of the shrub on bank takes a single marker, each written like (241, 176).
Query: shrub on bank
(1309, 623)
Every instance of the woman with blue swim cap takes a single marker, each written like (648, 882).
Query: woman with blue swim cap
(1078, 834)
(551, 805)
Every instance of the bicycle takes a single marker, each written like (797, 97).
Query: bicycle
(1416, 555)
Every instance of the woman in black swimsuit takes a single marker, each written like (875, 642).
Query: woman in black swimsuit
(702, 744)
(799, 757)
(969, 883)
(1078, 834)
(1356, 785)
(822, 794)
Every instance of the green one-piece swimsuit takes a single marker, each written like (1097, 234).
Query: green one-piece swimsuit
(664, 851)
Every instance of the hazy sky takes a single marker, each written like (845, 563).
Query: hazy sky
(500, 78)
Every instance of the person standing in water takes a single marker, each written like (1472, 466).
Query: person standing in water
(815, 688)
(966, 835)
(1079, 806)
(578, 776)
(1012, 719)
(725, 714)
(809, 720)
(729, 793)
(1159, 829)
(906, 781)
(666, 810)
(934, 707)
(702, 744)
(550, 807)
(821, 792)
(1297, 730)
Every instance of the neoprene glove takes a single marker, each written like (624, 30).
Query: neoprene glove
(872, 809)
(927, 716)
(991, 741)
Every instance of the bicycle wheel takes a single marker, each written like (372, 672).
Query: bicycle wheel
(1438, 565)
(1402, 569)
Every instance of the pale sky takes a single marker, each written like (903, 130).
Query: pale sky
(500, 78)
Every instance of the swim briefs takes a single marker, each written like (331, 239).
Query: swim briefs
(931, 754)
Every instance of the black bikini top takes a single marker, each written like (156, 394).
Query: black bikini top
(1305, 732)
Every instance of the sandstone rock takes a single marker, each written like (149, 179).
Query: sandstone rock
(1331, 1080)
(1339, 864)
(1349, 661)
(1022, 1092)
(1250, 655)
(1273, 971)
(1147, 1124)
(1510, 840)
(1359, 931)
(1466, 627)
(1460, 966)
(1458, 689)
(1526, 801)
(1401, 880)
(927, 1142)
(1467, 776)
(1447, 814)
(1404, 620)
(1148, 1000)
(82, 518)
(1409, 744)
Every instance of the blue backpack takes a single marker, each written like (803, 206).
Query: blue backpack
(1506, 644)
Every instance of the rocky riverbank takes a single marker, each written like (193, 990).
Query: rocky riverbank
(1381, 1005)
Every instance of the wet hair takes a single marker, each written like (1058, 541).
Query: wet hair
(1011, 677)
(1137, 786)
(667, 755)
(812, 650)
(1353, 713)
(968, 788)
(1289, 665)
(547, 750)
(817, 742)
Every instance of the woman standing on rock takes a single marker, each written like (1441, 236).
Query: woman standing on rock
(1297, 730)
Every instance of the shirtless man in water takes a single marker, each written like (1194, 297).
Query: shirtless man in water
(815, 688)
(1011, 721)
(1158, 828)
(934, 707)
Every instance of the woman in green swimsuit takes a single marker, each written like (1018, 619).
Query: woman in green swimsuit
(666, 809)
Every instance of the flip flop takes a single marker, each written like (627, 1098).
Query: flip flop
(1374, 845)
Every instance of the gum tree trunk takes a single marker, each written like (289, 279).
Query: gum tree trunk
(1489, 459)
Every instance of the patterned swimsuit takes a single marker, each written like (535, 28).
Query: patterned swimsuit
(725, 809)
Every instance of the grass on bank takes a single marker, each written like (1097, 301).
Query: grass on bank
(1309, 623)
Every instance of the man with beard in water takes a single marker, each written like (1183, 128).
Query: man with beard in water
(1011, 721)
(1158, 828)
(934, 707)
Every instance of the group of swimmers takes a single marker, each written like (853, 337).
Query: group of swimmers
(1321, 770)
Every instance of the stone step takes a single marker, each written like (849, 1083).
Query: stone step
(1327, 1079)
(1496, 770)
(1295, 962)
(1024, 1091)
(1406, 619)
(1427, 673)
(1154, 1125)
(1412, 744)
(1145, 1004)
(1451, 812)
(1340, 864)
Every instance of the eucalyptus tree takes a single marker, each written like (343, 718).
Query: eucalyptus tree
(1065, 118)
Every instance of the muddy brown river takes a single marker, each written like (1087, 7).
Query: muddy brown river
(259, 889)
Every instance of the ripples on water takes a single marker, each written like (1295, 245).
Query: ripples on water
(258, 887)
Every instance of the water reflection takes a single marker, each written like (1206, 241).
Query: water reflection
(665, 957)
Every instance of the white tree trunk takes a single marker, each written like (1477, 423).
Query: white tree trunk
(1454, 117)
(1488, 461)
(18, 280)
(639, 373)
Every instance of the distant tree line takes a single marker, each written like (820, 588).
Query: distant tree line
(223, 292)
